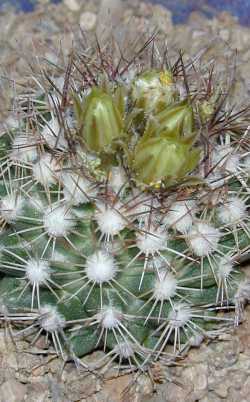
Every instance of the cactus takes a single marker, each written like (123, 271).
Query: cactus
(124, 213)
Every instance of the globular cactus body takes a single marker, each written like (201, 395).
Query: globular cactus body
(124, 215)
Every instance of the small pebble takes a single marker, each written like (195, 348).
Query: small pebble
(12, 391)
(224, 34)
(87, 21)
(73, 5)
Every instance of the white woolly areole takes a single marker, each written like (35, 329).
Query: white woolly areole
(150, 243)
(181, 215)
(53, 134)
(232, 211)
(10, 207)
(51, 320)
(124, 349)
(224, 268)
(58, 221)
(77, 189)
(180, 315)
(166, 288)
(225, 158)
(100, 267)
(109, 219)
(23, 149)
(44, 170)
(37, 271)
(203, 239)
(117, 179)
(109, 317)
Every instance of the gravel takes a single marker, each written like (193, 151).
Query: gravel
(214, 372)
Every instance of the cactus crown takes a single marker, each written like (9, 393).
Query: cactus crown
(124, 210)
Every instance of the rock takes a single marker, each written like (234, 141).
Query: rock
(224, 34)
(246, 56)
(56, 390)
(11, 359)
(162, 18)
(144, 386)
(227, 19)
(109, 17)
(73, 5)
(88, 21)
(80, 386)
(8, 123)
(37, 392)
(197, 20)
(240, 38)
(12, 391)
(145, 9)
(198, 34)
(177, 393)
(221, 389)
(240, 381)
(197, 375)
(245, 74)
(115, 387)
(245, 391)
(210, 398)
(159, 396)
(110, 9)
